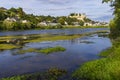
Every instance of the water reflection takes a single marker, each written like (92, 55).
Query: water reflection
(52, 31)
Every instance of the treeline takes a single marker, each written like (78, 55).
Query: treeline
(12, 19)
(24, 26)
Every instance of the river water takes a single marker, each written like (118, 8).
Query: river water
(78, 51)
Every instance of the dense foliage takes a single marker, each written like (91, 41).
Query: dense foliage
(115, 23)
(17, 19)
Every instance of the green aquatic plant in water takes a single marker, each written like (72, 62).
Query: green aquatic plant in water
(53, 38)
(8, 46)
(51, 50)
(107, 68)
(45, 50)
(50, 74)
(27, 50)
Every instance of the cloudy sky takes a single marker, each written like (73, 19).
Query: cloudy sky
(94, 9)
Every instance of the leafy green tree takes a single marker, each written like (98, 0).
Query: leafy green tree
(1, 27)
(49, 18)
(8, 25)
(21, 13)
(2, 15)
(17, 26)
(72, 14)
(87, 20)
(81, 23)
(71, 20)
(13, 10)
(115, 23)
(61, 21)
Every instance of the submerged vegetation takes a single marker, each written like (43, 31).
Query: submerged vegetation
(53, 38)
(8, 46)
(51, 50)
(51, 74)
(45, 50)
(13, 42)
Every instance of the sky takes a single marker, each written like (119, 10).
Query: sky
(94, 9)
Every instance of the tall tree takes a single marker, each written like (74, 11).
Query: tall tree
(115, 23)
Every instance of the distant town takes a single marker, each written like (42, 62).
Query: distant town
(17, 19)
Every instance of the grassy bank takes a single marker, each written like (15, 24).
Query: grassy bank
(107, 68)
(45, 50)
(58, 27)
(71, 26)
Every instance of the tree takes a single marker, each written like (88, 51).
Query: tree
(13, 10)
(7, 25)
(71, 20)
(1, 27)
(72, 14)
(2, 15)
(61, 21)
(81, 23)
(21, 13)
(115, 23)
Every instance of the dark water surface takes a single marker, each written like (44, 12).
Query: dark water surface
(52, 31)
(78, 51)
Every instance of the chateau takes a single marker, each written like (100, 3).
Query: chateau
(78, 16)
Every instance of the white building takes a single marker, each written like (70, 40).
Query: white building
(88, 24)
(53, 24)
(11, 19)
(24, 21)
(42, 24)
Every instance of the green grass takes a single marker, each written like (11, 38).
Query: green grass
(51, 74)
(40, 37)
(8, 46)
(45, 50)
(51, 50)
(71, 26)
(61, 37)
(107, 52)
(53, 38)
(27, 50)
(107, 68)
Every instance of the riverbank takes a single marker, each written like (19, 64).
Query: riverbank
(62, 27)
(83, 27)
(107, 68)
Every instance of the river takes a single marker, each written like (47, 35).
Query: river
(78, 51)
